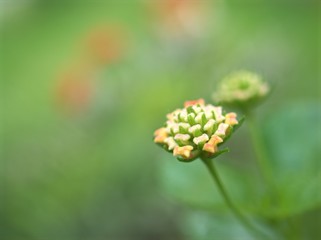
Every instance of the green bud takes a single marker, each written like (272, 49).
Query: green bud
(241, 89)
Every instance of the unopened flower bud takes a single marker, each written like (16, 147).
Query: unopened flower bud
(184, 151)
(230, 119)
(170, 143)
(201, 139)
(241, 89)
(194, 128)
(222, 128)
(194, 102)
(182, 138)
(209, 125)
(211, 145)
(160, 135)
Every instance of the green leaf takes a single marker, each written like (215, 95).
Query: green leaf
(294, 147)
(199, 225)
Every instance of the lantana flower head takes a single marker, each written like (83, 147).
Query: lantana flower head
(241, 89)
(196, 130)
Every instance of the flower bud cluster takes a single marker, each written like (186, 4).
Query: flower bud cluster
(194, 130)
(241, 88)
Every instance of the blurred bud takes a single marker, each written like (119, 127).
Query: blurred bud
(181, 19)
(194, 102)
(195, 131)
(105, 45)
(75, 90)
(241, 89)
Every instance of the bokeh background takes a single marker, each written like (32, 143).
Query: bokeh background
(85, 84)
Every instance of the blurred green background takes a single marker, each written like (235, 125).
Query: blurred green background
(77, 157)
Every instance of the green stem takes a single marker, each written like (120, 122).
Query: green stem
(294, 229)
(244, 221)
(260, 152)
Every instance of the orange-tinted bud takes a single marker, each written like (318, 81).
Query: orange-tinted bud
(184, 151)
(75, 90)
(105, 45)
(194, 102)
(160, 135)
(230, 119)
(211, 145)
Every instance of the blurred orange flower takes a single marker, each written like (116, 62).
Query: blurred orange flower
(105, 44)
(181, 18)
(75, 90)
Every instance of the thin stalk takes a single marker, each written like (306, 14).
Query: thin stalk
(294, 229)
(261, 154)
(242, 219)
